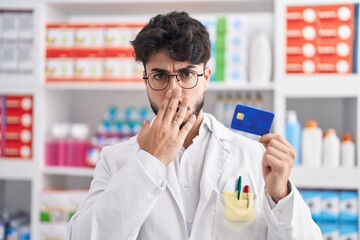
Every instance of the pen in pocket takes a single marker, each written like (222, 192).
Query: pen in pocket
(247, 191)
(238, 188)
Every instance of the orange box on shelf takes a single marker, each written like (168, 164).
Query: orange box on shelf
(335, 48)
(344, 32)
(334, 64)
(337, 14)
(59, 64)
(301, 23)
(301, 65)
(307, 50)
(301, 15)
(336, 22)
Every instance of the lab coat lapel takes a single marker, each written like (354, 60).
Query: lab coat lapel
(215, 159)
(173, 187)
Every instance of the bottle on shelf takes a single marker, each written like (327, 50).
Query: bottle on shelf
(293, 133)
(311, 143)
(77, 145)
(55, 146)
(331, 149)
(260, 55)
(347, 151)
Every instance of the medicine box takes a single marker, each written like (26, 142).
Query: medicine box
(330, 231)
(330, 206)
(313, 199)
(349, 232)
(349, 207)
(18, 127)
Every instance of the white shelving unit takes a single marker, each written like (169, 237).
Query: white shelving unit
(19, 179)
(70, 102)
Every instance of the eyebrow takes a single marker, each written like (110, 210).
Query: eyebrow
(163, 70)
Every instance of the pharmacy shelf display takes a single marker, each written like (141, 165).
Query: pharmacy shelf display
(58, 99)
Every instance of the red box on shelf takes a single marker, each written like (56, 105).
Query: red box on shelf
(2, 123)
(17, 136)
(60, 36)
(336, 14)
(334, 64)
(119, 65)
(89, 36)
(307, 66)
(18, 104)
(59, 64)
(88, 64)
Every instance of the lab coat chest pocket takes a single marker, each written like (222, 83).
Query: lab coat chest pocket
(228, 228)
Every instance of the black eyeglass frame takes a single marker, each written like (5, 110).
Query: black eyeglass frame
(176, 76)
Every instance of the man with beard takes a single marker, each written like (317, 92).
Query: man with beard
(177, 178)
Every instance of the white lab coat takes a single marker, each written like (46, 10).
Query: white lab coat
(124, 202)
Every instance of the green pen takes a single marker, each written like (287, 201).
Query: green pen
(238, 188)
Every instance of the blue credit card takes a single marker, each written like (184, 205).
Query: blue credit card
(252, 120)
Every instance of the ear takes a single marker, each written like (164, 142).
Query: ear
(207, 75)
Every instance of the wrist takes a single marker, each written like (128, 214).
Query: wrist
(282, 193)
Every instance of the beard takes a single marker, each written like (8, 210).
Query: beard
(198, 107)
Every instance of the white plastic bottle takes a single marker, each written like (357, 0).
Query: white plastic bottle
(311, 145)
(293, 133)
(347, 151)
(331, 149)
(260, 59)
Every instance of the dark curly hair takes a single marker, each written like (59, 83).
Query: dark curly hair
(184, 38)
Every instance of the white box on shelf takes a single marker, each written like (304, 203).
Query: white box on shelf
(10, 27)
(8, 58)
(26, 28)
(26, 58)
(60, 36)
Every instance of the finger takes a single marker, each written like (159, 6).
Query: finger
(187, 127)
(181, 113)
(279, 155)
(274, 143)
(144, 129)
(172, 107)
(163, 107)
(269, 161)
(265, 139)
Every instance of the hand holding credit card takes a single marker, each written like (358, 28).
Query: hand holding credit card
(252, 120)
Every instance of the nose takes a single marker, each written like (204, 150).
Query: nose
(173, 82)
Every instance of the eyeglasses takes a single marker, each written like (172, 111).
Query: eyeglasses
(186, 79)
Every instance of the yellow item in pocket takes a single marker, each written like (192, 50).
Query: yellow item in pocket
(239, 210)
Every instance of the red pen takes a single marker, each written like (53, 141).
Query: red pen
(247, 191)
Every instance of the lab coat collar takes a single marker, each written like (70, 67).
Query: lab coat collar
(219, 130)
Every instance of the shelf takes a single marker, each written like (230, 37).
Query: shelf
(96, 86)
(116, 7)
(69, 171)
(14, 169)
(17, 83)
(326, 178)
(320, 85)
(17, 5)
(242, 87)
(317, 2)
(140, 86)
